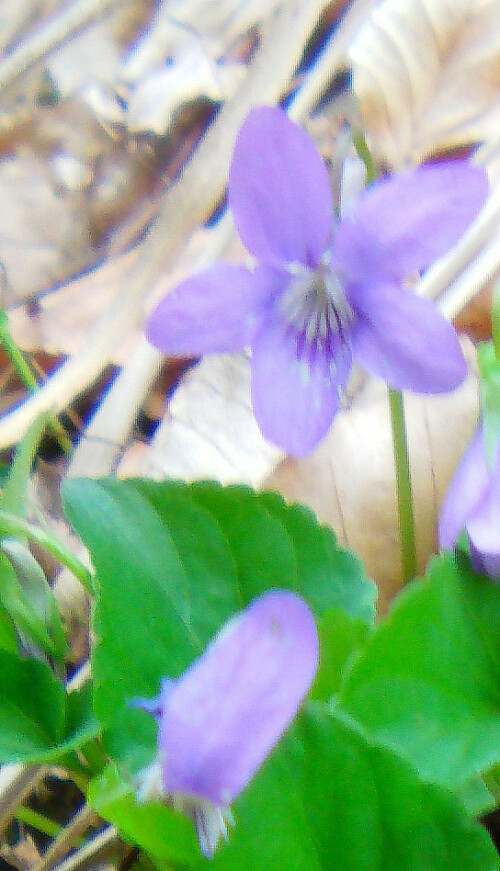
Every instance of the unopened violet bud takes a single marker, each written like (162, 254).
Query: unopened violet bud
(218, 722)
(473, 504)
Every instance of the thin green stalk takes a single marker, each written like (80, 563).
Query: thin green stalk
(37, 821)
(28, 377)
(403, 486)
(14, 527)
(399, 437)
(359, 142)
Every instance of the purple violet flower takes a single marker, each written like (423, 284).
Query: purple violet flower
(323, 292)
(223, 716)
(473, 503)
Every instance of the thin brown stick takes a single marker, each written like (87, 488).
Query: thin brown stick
(69, 21)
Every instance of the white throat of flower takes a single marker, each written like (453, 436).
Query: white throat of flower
(211, 821)
(315, 307)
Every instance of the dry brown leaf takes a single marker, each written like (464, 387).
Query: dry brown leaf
(210, 430)
(41, 228)
(62, 319)
(182, 58)
(427, 74)
(349, 480)
(154, 105)
(215, 25)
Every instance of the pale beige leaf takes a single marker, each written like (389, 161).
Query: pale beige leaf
(63, 318)
(177, 22)
(182, 58)
(349, 480)
(41, 228)
(195, 76)
(427, 74)
(211, 431)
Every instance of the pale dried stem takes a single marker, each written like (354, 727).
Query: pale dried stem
(333, 57)
(456, 278)
(68, 22)
(80, 823)
(105, 437)
(97, 846)
(16, 783)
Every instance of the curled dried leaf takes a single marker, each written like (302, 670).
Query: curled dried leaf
(427, 76)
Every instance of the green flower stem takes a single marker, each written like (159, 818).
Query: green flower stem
(14, 527)
(399, 438)
(359, 142)
(38, 821)
(403, 486)
(28, 377)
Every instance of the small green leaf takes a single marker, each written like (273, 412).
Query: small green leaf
(32, 704)
(261, 547)
(329, 576)
(175, 561)
(35, 600)
(341, 639)
(39, 723)
(31, 627)
(428, 681)
(155, 828)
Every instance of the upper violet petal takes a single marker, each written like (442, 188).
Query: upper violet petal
(404, 223)
(294, 396)
(212, 312)
(226, 713)
(405, 340)
(467, 489)
(279, 190)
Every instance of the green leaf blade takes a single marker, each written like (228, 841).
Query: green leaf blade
(428, 681)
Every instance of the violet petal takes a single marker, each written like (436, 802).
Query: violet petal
(226, 713)
(406, 222)
(485, 563)
(279, 190)
(466, 490)
(405, 340)
(294, 398)
(212, 312)
(483, 525)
